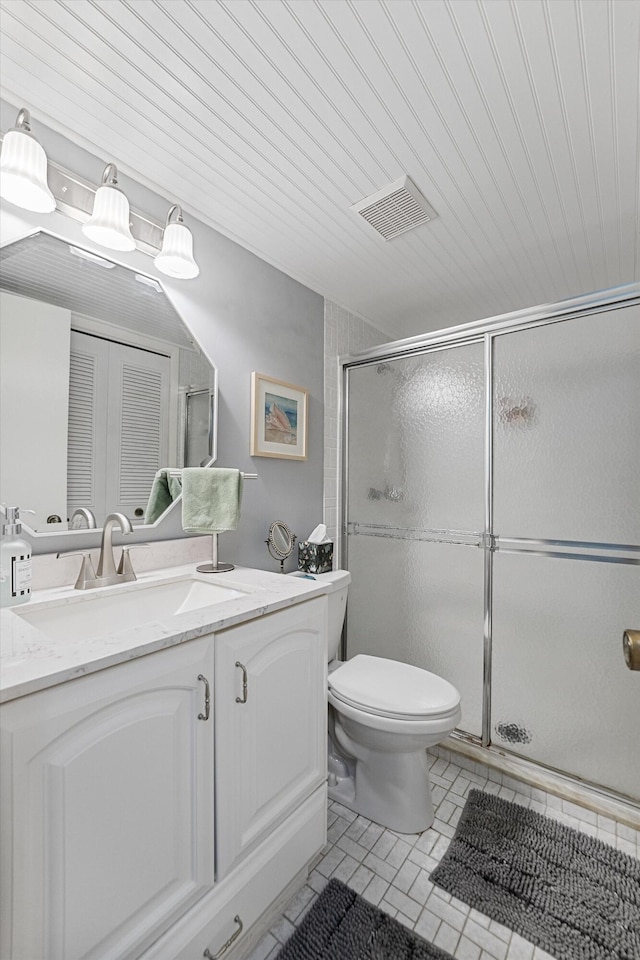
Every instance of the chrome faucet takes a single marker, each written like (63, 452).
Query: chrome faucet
(106, 564)
(107, 575)
(86, 514)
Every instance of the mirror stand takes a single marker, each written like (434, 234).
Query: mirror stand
(215, 566)
(280, 542)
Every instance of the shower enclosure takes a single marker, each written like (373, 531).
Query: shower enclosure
(491, 522)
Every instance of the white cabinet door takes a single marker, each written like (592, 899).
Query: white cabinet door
(270, 734)
(107, 808)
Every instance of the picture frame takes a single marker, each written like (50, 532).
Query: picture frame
(279, 418)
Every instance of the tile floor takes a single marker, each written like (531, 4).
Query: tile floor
(392, 870)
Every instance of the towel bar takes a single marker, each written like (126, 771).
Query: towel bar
(246, 476)
(215, 566)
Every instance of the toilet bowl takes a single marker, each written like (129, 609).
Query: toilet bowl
(383, 714)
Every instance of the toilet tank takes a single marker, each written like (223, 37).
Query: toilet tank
(337, 585)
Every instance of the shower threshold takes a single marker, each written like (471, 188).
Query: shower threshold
(467, 751)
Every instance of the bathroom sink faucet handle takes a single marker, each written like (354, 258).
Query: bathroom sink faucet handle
(87, 576)
(125, 568)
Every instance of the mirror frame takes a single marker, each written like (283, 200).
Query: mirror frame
(95, 533)
(274, 549)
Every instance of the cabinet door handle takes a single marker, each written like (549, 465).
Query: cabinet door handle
(225, 946)
(207, 698)
(243, 698)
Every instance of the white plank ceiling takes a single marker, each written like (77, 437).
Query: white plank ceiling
(519, 121)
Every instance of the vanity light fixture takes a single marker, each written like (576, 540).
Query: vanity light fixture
(108, 225)
(23, 169)
(111, 223)
(176, 257)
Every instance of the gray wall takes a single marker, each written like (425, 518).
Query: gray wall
(247, 316)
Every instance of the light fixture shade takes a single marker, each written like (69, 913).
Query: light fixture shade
(23, 172)
(109, 223)
(176, 257)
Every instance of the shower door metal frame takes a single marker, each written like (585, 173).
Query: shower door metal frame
(483, 332)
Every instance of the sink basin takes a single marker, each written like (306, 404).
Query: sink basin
(81, 617)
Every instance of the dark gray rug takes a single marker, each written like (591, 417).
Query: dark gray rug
(343, 926)
(569, 893)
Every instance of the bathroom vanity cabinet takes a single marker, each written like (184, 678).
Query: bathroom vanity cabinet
(138, 821)
(269, 756)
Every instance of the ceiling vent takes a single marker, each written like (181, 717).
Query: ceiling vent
(395, 209)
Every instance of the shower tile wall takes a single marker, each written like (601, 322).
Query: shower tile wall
(344, 333)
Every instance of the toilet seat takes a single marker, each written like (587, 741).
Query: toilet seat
(389, 688)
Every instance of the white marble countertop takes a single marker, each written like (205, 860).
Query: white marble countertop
(31, 660)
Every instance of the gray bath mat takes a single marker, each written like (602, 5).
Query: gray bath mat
(569, 893)
(343, 926)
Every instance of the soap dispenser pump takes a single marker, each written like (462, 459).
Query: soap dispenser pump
(15, 561)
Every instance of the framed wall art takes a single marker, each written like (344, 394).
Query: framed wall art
(279, 416)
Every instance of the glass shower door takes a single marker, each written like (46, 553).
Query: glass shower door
(415, 515)
(566, 580)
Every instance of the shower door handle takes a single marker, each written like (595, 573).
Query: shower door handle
(631, 648)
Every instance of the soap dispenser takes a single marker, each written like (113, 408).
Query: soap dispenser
(15, 561)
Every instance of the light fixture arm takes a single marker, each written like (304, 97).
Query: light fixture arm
(176, 208)
(23, 120)
(110, 176)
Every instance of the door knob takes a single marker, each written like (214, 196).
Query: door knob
(631, 648)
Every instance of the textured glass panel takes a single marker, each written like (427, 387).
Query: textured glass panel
(567, 430)
(416, 441)
(421, 603)
(561, 692)
(198, 429)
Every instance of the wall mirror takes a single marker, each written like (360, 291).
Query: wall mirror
(103, 385)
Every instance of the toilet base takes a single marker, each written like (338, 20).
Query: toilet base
(340, 778)
(393, 791)
(343, 791)
(379, 766)
(400, 801)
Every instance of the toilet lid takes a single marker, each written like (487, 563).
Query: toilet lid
(393, 689)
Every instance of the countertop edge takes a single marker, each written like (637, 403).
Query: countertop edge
(22, 675)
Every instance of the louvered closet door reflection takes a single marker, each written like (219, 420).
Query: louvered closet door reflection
(88, 405)
(138, 428)
(118, 425)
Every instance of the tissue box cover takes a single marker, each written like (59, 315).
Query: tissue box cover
(315, 557)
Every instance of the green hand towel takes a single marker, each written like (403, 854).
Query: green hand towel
(211, 498)
(164, 490)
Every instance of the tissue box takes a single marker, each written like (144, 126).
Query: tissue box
(315, 557)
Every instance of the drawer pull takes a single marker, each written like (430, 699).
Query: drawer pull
(225, 946)
(243, 698)
(207, 698)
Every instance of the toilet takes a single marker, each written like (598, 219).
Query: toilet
(383, 715)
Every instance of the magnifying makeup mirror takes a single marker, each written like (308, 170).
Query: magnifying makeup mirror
(280, 542)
